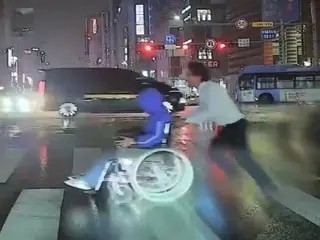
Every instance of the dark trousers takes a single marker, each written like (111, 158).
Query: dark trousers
(211, 207)
(232, 138)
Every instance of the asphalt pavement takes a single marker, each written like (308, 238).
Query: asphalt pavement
(35, 204)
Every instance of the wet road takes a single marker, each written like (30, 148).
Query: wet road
(34, 203)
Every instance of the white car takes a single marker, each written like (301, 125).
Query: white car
(19, 103)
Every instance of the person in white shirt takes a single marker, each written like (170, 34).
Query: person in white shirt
(216, 106)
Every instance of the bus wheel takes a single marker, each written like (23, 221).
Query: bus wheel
(265, 98)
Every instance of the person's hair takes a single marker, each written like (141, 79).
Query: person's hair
(199, 69)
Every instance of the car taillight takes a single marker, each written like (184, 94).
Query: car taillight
(42, 88)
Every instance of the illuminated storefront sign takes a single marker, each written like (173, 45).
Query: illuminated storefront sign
(94, 26)
(140, 26)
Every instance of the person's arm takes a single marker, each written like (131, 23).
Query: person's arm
(202, 113)
(148, 140)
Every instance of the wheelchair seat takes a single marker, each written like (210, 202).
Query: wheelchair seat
(166, 141)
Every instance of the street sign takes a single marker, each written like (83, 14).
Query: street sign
(262, 24)
(211, 43)
(268, 34)
(170, 39)
(213, 64)
(170, 46)
(244, 42)
(241, 24)
(27, 51)
(10, 57)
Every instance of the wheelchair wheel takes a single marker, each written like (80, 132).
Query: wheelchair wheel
(158, 182)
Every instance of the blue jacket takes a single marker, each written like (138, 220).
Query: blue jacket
(156, 128)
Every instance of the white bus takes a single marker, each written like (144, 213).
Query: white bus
(279, 83)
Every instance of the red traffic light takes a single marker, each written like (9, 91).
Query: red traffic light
(185, 47)
(147, 48)
(222, 46)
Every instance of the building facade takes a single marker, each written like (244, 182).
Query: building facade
(170, 58)
(307, 29)
(53, 34)
(134, 26)
(4, 71)
(292, 43)
(205, 20)
(253, 55)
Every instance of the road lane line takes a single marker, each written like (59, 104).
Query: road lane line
(83, 158)
(35, 215)
(9, 161)
(301, 203)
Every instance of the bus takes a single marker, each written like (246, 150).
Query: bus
(100, 89)
(278, 83)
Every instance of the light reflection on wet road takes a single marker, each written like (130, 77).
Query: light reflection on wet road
(48, 159)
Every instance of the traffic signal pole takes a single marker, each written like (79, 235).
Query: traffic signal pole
(282, 40)
(281, 25)
(315, 58)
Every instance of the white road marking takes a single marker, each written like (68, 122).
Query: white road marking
(300, 203)
(9, 161)
(34, 216)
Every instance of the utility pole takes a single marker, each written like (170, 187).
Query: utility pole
(283, 40)
(315, 58)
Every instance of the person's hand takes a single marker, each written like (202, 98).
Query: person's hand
(125, 142)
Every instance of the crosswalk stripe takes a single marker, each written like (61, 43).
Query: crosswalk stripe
(35, 215)
(9, 161)
(83, 158)
(301, 203)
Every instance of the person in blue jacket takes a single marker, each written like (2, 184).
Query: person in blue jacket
(155, 133)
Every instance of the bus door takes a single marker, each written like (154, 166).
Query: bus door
(246, 89)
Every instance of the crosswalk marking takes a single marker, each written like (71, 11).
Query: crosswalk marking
(9, 161)
(300, 202)
(35, 215)
(83, 158)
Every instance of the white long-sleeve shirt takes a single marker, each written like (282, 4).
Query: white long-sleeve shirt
(215, 105)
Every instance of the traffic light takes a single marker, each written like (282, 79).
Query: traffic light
(221, 46)
(185, 47)
(148, 48)
(42, 57)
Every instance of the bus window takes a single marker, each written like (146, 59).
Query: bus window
(285, 81)
(317, 81)
(42, 88)
(266, 83)
(304, 82)
(246, 82)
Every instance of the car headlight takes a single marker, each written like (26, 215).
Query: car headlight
(23, 105)
(6, 102)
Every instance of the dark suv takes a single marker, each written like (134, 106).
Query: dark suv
(102, 89)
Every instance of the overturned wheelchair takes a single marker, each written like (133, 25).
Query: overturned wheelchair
(160, 175)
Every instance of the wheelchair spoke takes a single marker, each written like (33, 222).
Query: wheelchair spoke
(157, 177)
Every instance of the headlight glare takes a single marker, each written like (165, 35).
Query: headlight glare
(23, 105)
